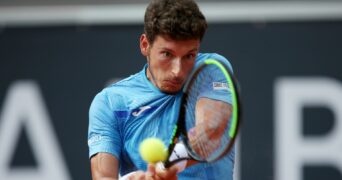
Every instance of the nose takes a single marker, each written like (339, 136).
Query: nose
(176, 68)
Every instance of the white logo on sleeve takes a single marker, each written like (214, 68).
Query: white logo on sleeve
(220, 86)
(141, 110)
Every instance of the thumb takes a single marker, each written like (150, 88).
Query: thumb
(151, 170)
(169, 173)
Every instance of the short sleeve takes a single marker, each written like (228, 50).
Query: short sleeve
(103, 134)
(214, 83)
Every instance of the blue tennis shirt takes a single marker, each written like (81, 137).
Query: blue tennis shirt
(122, 115)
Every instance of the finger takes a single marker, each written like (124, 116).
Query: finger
(151, 170)
(138, 175)
(169, 173)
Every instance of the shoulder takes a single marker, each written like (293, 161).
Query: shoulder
(129, 81)
(123, 87)
(114, 94)
(203, 56)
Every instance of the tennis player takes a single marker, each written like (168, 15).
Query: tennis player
(146, 104)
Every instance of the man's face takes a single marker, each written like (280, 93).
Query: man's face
(169, 61)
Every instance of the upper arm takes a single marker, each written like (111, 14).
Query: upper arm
(103, 132)
(104, 166)
(103, 139)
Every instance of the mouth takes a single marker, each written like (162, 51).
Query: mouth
(174, 82)
(172, 85)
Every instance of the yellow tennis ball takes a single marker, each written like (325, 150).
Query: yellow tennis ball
(152, 150)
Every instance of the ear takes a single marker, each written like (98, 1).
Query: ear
(144, 45)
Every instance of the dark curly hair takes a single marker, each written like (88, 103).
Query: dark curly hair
(177, 19)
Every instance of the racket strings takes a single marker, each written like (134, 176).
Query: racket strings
(201, 131)
(202, 144)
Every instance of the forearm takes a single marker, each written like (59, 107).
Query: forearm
(104, 178)
(101, 176)
(104, 167)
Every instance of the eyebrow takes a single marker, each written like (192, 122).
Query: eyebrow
(167, 49)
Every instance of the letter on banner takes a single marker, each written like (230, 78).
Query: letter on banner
(24, 108)
(293, 150)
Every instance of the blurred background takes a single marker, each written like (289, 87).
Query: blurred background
(56, 55)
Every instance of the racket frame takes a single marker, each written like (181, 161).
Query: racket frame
(179, 131)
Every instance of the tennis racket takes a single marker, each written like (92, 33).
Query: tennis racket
(209, 115)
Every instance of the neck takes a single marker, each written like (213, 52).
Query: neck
(150, 75)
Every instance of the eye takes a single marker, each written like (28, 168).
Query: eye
(190, 56)
(166, 54)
